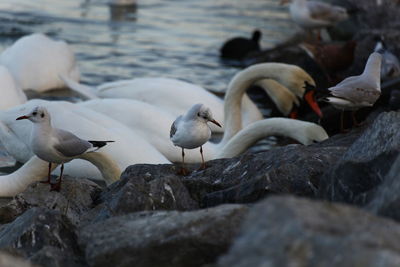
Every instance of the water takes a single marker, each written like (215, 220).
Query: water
(178, 39)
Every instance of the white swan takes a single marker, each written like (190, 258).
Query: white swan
(11, 94)
(36, 61)
(36, 170)
(154, 124)
(129, 148)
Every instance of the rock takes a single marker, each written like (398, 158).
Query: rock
(139, 192)
(38, 230)
(74, 199)
(290, 231)
(9, 260)
(162, 238)
(355, 177)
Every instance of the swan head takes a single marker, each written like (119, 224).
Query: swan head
(311, 133)
(202, 113)
(309, 97)
(37, 115)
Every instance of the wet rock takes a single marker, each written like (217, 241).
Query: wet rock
(39, 229)
(74, 199)
(162, 238)
(355, 177)
(139, 192)
(289, 231)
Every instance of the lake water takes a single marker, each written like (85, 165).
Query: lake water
(170, 38)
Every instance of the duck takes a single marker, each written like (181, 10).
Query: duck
(35, 169)
(311, 15)
(239, 47)
(85, 123)
(36, 61)
(360, 91)
(176, 96)
(11, 94)
(390, 67)
(153, 123)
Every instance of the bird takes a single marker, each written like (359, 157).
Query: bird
(240, 47)
(359, 91)
(11, 94)
(390, 67)
(176, 96)
(36, 61)
(310, 15)
(15, 136)
(192, 131)
(56, 145)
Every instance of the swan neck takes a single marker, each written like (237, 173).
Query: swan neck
(107, 166)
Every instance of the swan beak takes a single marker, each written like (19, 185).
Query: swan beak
(216, 123)
(309, 97)
(283, 2)
(23, 118)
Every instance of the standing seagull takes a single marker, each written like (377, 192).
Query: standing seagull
(359, 91)
(191, 130)
(55, 145)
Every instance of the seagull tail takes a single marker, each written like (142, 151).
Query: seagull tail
(83, 90)
(98, 144)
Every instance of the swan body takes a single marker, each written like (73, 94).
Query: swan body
(11, 94)
(129, 148)
(171, 95)
(36, 61)
(36, 169)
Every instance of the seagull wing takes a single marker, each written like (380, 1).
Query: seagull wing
(70, 145)
(327, 12)
(174, 127)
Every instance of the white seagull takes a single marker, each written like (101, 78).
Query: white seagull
(55, 145)
(191, 131)
(359, 91)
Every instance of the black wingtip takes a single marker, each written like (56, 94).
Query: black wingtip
(99, 144)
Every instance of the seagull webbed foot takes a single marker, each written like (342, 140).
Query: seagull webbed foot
(183, 171)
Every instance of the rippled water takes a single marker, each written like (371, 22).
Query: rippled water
(173, 38)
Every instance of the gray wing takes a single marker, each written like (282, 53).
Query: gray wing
(324, 11)
(70, 145)
(356, 90)
(174, 127)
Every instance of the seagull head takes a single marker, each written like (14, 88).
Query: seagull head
(202, 113)
(37, 115)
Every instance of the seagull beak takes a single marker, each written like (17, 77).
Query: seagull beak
(216, 123)
(309, 97)
(23, 118)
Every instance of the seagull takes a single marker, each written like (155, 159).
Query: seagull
(191, 131)
(56, 145)
(311, 15)
(359, 91)
(390, 63)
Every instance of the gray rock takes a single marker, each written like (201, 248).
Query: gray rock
(35, 231)
(162, 238)
(355, 177)
(74, 199)
(139, 192)
(289, 231)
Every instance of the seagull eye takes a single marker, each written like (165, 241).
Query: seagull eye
(42, 115)
(34, 113)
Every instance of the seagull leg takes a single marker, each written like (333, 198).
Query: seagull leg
(353, 116)
(48, 176)
(203, 164)
(183, 170)
(57, 186)
(342, 129)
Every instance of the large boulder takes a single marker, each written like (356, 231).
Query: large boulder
(355, 177)
(290, 231)
(74, 199)
(162, 238)
(38, 231)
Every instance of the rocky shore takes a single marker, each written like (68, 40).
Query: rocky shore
(334, 203)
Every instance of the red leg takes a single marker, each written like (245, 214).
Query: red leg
(183, 170)
(48, 175)
(203, 164)
(57, 186)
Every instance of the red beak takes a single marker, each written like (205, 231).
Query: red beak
(216, 123)
(309, 97)
(22, 118)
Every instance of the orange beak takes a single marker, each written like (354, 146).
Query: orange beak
(216, 123)
(22, 118)
(309, 97)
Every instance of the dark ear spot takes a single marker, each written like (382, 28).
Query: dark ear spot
(34, 113)
(42, 115)
(198, 114)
